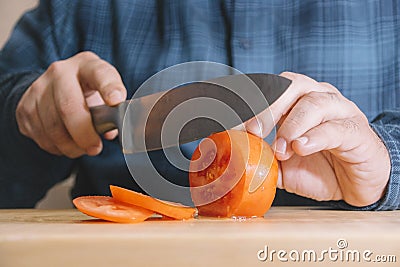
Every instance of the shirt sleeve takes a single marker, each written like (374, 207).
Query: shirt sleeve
(26, 171)
(387, 127)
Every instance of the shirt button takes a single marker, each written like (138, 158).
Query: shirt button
(245, 44)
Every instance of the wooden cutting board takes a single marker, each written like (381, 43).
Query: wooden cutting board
(69, 238)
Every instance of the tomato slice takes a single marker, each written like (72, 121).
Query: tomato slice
(223, 187)
(170, 209)
(109, 209)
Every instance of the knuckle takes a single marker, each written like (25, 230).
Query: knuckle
(102, 69)
(87, 55)
(290, 75)
(56, 68)
(321, 99)
(333, 97)
(36, 86)
(299, 114)
(24, 118)
(329, 86)
(351, 126)
(21, 124)
(23, 129)
(20, 111)
(296, 77)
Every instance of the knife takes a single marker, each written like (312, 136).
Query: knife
(141, 121)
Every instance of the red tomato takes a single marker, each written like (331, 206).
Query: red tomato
(166, 208)
(109, 209)
(223, 187)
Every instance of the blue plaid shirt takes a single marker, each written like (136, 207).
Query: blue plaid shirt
(354, 45)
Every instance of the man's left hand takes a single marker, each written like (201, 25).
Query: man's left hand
(326, 147)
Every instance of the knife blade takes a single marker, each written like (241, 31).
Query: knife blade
(142, 121)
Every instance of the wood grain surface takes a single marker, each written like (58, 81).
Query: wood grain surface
(69, 238)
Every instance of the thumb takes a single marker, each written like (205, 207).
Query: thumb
(262, 124)
(99, 75)
(113, 94)
(255, 127)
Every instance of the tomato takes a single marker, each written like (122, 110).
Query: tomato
(110, 209)
(169, 209)
(221, 175)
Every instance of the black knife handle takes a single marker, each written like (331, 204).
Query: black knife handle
(105, 118)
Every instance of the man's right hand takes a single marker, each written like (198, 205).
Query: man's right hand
(54, 111)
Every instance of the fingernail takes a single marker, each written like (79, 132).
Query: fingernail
(303, 140)
(255, 127)
(93, 150)
(115, 97)
(280, 146)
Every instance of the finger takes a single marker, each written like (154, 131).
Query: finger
(54, 129)
(44, 141)
(317, 99)
(280, 147)
(28, 118)
(99, 75)
(311, 110)
(94, 99)
(73, 111)
(240, 127)
(111, 135)
(255, 125)
(343, 138)
(25, 114)
(279, 183)
(350, 141)
(300, 85)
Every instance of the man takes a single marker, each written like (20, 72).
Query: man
(328, 149)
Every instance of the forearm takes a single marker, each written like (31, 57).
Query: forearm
(26, 171)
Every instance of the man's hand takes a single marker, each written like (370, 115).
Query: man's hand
(54, 110)
(326, 148)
